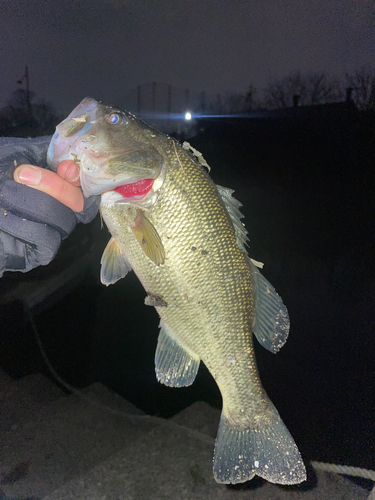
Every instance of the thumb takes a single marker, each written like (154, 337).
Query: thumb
(69, 170)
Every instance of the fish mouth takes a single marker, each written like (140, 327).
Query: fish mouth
(135, 189)
(127, 188)
(132, 192)
(143, 192)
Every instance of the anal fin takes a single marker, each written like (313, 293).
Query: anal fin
(174, 365)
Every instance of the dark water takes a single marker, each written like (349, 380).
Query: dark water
(308, 193)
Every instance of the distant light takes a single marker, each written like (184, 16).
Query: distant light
(187, 115)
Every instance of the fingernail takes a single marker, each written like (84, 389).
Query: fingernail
(30, 175)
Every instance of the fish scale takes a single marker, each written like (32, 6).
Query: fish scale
(184, 240)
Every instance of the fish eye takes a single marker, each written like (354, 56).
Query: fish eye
(115, 119)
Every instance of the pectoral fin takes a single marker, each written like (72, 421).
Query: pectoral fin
(174, 365)
(114, 263)
(148, 238)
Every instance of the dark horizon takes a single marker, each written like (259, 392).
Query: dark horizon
(75, 50)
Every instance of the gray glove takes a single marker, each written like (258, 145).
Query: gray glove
(32, 223)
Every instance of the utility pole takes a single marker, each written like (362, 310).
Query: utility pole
(153, 96)
(28, 101)
(138, 99)
(203, 102)
(169, 105)
(28, 98)
(187, 92)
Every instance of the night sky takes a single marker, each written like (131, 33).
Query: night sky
(105, 49)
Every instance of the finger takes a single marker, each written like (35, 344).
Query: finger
(50, 183)
(69, 170)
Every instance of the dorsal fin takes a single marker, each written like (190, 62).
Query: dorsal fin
(232, 205)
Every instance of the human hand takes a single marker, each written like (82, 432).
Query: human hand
(63, 185)
(34, 219)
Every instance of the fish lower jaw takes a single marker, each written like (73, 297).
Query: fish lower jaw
(111, 197)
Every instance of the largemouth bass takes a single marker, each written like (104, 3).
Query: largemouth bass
(183, 237)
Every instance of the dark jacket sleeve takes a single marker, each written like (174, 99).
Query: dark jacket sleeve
(32, 223)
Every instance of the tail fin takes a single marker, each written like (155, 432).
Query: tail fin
(270, 453)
